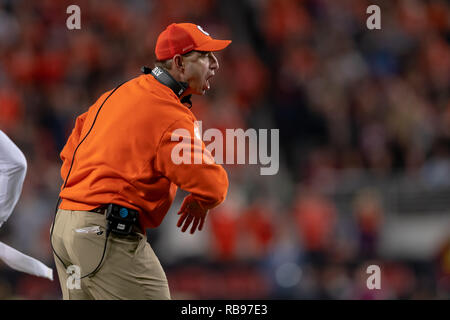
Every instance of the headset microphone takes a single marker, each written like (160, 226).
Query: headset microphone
(146, 70)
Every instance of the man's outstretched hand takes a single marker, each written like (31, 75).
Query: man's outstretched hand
(191, 212)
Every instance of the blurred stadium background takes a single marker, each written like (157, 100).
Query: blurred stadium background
(364, 119)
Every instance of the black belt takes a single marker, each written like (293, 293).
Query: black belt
(100, 210)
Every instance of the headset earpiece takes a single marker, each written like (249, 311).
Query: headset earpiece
(166, 79)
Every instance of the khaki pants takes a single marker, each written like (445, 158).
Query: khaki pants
(130, 268)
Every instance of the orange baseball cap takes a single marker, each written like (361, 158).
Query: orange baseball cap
(180, 38)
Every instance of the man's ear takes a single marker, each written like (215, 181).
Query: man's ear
(177, 61)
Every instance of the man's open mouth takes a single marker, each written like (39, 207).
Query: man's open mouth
(208, 85)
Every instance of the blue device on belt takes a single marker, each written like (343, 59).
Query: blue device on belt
(123, 212)
(120, 219)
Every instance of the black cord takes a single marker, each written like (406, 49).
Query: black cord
(65, 182)
(51, 233)
(103, 255)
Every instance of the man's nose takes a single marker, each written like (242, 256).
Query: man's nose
(214, 62)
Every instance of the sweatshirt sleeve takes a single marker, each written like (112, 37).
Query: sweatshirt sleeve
(182, 157)
(71, 144)
(13, 167)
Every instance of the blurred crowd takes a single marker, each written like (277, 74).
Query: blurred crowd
(349, 103)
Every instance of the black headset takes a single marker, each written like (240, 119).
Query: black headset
(166, 79)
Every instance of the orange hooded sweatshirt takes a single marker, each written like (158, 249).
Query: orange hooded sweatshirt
(127, 157)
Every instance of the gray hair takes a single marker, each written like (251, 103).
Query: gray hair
(164, 64)
(167, 64)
